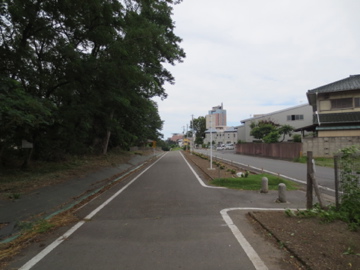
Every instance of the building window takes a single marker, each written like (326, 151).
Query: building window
(295, 117)
(341, 103)
(357, 102)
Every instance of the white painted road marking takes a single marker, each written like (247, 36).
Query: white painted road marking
(58, 241)
(249, 250)
(197, 176)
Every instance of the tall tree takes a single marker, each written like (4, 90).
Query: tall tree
(268, 131)
(90, 62)
(199, 126)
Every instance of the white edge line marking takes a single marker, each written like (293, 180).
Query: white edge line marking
(249, 250)
(270, 172)
(59, 240)
(197, 176)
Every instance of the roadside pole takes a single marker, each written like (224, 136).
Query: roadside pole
(211, 142)
(309, 182)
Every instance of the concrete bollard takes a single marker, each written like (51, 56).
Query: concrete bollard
(264, 185)
(282, 193)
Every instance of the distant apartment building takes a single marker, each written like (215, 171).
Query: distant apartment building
(216, 117)
(221, 136)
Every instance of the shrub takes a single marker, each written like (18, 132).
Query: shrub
(296, 138)
(350, 185)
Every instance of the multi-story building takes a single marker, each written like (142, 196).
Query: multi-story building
(336, 119)
(216, 117)
(219, 136)
(298, 117)
(336, 108)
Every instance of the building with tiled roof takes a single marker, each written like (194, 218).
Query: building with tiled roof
(336, 108)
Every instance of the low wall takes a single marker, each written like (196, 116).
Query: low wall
(327, 146)
(284, 150)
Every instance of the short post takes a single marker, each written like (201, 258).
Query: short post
(309, 181)
(282, 193)
(336, 167)
(264, 185)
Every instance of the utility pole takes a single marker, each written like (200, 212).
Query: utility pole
(192, 134)
(211, 142)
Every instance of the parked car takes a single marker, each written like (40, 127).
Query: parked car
(229, 146)
(220, 147)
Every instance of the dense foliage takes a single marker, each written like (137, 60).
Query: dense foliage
(78, 76)
(199, 127)
(350, 184)
(269, 132)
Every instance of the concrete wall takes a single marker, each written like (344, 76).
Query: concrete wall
(327, 146)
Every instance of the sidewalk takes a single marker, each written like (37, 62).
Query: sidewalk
(52, 199)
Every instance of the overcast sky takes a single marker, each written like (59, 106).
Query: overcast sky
(257, 56)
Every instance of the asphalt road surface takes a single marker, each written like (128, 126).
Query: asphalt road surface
(162, 219)
(325, 176)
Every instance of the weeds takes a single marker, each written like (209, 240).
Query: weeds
(319, 161)
(349, 208)
(253, 182)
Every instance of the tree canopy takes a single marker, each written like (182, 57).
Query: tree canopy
(269, 132)
(199, 127)
(79, 76)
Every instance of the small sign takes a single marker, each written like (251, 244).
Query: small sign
(26, 144)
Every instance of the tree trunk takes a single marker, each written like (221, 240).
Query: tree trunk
(2, 149)
(25, 165)
(107, 136)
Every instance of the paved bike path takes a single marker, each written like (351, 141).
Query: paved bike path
(164, 219)
(51, 199)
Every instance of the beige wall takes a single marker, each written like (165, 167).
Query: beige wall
(327, 146)
(338, 133)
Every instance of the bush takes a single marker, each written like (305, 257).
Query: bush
(349, 209)
(350, 185)
(296, 138)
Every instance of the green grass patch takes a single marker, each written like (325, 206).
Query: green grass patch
(319, 161)
(253, 182)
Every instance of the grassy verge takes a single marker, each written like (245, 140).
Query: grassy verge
(253, 182)
(14, 182)
(319, 161)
